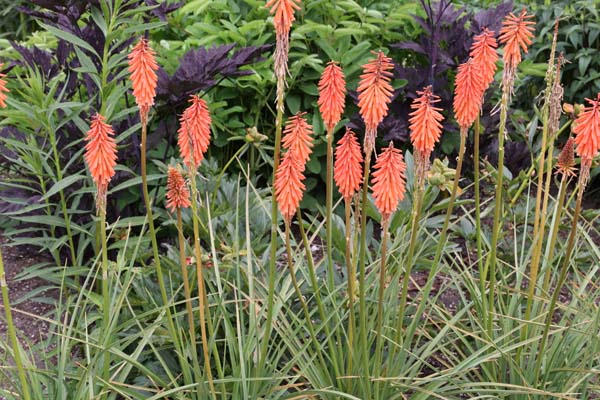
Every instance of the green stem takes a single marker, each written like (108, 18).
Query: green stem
(351, 281)
(476, 133)
(329, 209)
(315, 285)
(12, 333)
(203, 309)
(362, 312)
(105, 291)
(561, 279)
(188, 294)
(273, 245)
(378, 367)
(558, 210)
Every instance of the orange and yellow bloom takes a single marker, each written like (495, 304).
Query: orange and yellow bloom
(483, 52)
(178, 195)
(297, 137)
(516, 35)
(389, 182)
(332, 94)
(348, 165)
(587, 131)
(468, 93)
(143, 66)
(194, 132)
(289, 186)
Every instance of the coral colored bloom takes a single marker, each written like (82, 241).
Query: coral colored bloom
(143, 66)
(425, 121)
(374, 95)
(297, 137)
(483, 52)
(389, 182)
(283, 11)
(100, 155)
(3, 89)
(332, 94)
(347, 170)
(516, 35)
(587, 130)
(288, 184)
(468, 93)
(194, 132)
(178, 195)
(566, 159)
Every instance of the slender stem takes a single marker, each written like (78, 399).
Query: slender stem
(558, 210)
(476, 133)
(561, 279)
(362, 312)
(309, 323)
(12, 333)
(203, 309)
(378, 367)
(329, 209)
(105, 291)
(187, 292)
(273, 246)
(315, 285)
(351, 280)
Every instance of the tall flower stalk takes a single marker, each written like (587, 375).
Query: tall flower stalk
(101, 158)
(283, 17)
(389, 186)
(516, 34)
(348, 168)
(193, 141)
(374, 95)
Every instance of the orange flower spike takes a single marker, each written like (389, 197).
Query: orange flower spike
(468, 93)
(283, 11)
(516, 35)
(288, 185)
(374, 95)
(143, 66)
(194, 132)
(178, 195)
(332, 94)
(100, 155)
(425, 122)
(587, 131)
(483, 52)
(389, 181)
(348, 165)
(298, 137)
(3, 89)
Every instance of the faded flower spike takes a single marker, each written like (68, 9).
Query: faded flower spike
(483, 52)
(298, 138)
(348, 165)
(100, 156)
(565, 164)
(468, 93)
(3, 89)
(178, 195)
(283, 17)
(288, 184)
(389, 182)
(374, 95)
(194, 132)
(332, 94)
(516, 35)
(143, 66)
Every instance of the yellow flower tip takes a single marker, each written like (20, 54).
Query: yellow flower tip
(289, 186)
(516, 35)
(468, 93)
(389, 181)
(143, 67)
(348, 165)
(332, 94)
(298, 137)
(100, 156)
(194, 132)
(178, 195)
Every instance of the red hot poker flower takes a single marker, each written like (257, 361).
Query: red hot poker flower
(288, 184)
(374, 95)
(483, 52)
(178, 195)
(516, 34)
(348, 165)
(332, 94)
(3, 89)
(389, 181)
(143, 66)
(468, 93)
(100, 156)
(298, 137)
(283, 11)
(425, 121)
(587, 131)
(194, 132)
